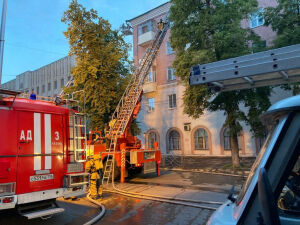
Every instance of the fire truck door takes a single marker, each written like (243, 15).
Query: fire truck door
(40, 152)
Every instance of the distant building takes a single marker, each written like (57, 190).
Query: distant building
(46, 81)
(161, 117)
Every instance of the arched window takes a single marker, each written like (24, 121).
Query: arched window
(174, 140)
(226, 138)
(152, 137)
(201, 139)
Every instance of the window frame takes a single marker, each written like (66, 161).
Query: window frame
(172, 71)
(148, 135)
(240, 140)
(49, 86)
(255, 17)
(151, 104)
(170, 50)
(148, 24)
(205, 140)
(178, 139)
(55, 84)
(172, 101)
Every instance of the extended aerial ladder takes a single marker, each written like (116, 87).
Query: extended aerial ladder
(272, 67)
(123, 114)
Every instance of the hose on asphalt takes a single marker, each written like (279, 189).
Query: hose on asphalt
(100, 215)
(178, 201)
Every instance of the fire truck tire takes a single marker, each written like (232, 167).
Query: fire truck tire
(133, 172)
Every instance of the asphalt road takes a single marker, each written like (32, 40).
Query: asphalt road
(125, 210)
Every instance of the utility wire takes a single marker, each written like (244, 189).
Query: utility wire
(36, 49)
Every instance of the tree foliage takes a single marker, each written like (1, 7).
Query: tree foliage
(285, 20)
(205, 31)
(101, 66)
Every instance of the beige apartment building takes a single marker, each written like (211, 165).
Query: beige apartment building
(161, 117)
(46, 81)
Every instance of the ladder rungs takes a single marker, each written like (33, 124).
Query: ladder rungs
(79, 125)
(79, 114)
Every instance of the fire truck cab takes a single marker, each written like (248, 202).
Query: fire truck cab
(41, 155)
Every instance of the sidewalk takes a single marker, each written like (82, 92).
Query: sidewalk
(206, 164)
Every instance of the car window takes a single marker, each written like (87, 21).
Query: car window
(289, 198)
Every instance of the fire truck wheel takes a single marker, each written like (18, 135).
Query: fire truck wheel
(133, 172)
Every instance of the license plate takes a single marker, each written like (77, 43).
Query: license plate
(41, 177)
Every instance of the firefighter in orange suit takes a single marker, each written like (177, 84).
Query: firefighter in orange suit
(94, 167)
(161, 24)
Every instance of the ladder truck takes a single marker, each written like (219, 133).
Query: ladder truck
(42, 154)
(124, 152)
(271, 193)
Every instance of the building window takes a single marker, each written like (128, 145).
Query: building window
(62, 82)
(169, 49)
(55, 85)
(201, 139)
(152, 137)
(151, 104)
(226, 138)
(21, 86)
(43, 88)
(257, 18)
(259, 46)
(151, 77)
(172, 101)
(145, 27)
(171, 72)
(38, 90)
(174, 140)
(49, 86)
(259, 141)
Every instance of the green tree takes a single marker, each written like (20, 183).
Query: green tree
(101, 66)
(205, 31)
(285, 20)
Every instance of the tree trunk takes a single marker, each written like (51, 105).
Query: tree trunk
(235, 151)
(296, 89)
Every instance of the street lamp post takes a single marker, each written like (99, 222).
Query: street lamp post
(2, 32)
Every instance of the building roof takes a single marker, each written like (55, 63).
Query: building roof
(159, 10)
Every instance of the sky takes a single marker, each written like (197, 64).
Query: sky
(33, 32)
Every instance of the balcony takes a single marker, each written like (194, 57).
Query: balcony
(149, 87)
(145, 38)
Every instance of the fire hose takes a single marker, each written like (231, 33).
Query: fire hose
(100, 215)
(179, 201)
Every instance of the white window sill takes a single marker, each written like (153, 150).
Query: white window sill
(256, 26)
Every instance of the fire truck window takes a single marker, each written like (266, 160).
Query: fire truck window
(289, 199)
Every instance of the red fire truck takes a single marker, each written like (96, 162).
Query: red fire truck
(42, 155)
(124, 150)
(135, 159)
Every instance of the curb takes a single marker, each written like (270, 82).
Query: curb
(244, 174)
